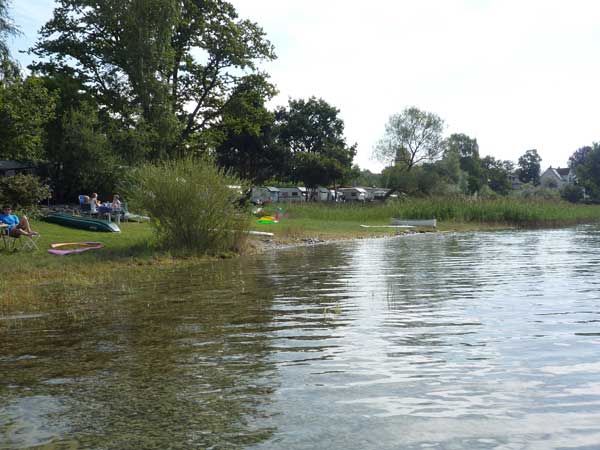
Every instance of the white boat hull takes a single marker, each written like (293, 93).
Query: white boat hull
(415, 223)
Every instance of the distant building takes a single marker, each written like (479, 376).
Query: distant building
(10, 168)
(557, 178)
(514, 181)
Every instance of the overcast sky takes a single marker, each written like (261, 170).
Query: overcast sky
(515, 74)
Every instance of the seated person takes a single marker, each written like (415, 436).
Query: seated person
(116, 203)
(94, 199)
(16, 227)
(94, 203)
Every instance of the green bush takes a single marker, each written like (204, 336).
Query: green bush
(191, 204)
(23, 192)
(531, 192)
(572, 193)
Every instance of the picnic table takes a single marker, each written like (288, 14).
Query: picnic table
(108, 211)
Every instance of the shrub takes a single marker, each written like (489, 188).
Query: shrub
(531, 192)
(191, 204)
(572, 193)
(23, 192)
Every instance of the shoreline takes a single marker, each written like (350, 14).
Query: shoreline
(26, 288)
(265, 245)
(279, 242)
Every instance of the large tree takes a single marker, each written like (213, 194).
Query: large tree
(579, 156)
(26, 107)
(467, 150)
(314, 134)
(89, 164)
(529, 167)
(245, 140)
(165, 67)
(411, 137)
(9, 69)
(586, 163)
(496, 173)
(82, 149)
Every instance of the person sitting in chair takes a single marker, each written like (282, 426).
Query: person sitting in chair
(116, 203)
(94, 203)
(16, 227)
(94, 199)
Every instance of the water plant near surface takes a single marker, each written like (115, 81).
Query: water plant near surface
(509, 211)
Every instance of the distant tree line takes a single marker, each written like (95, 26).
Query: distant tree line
(419, 160)
(116, 84)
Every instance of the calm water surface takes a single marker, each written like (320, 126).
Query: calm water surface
(466, 341)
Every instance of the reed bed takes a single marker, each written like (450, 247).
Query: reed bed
(507, 211)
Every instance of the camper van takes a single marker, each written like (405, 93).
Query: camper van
(264, 194)
(354, 194)
(292, 194)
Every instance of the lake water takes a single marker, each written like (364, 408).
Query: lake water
(438, 341)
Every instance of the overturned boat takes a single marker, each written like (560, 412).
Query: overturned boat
(415, 222)
(83, 223)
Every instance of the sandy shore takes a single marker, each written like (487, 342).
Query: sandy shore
(261, 245)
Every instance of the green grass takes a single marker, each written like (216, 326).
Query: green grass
(22, 271)
(133, 241)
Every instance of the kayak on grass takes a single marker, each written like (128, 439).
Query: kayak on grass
(68, 248)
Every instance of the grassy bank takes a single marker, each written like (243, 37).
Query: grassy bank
(23, 272)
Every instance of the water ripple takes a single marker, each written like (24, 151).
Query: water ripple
(445, 341)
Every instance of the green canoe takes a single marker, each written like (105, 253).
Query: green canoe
(83, 223)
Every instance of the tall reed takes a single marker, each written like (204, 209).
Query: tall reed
(510, 211)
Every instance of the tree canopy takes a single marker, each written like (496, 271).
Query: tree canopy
(9, 69)
(25, 108)
(119, 83)
(245, 140)
(579, 156)
(586, 163)
(467, 150)
(314, 134)
(497, 174)
(165, 67)
(529, 167)
(410, 138)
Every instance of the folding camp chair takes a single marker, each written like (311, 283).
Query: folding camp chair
(30, 242)
(22, 242)
(6, 239)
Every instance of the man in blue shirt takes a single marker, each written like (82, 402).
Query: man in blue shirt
(16, 227)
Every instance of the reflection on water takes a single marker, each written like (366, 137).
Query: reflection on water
(478, 341)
